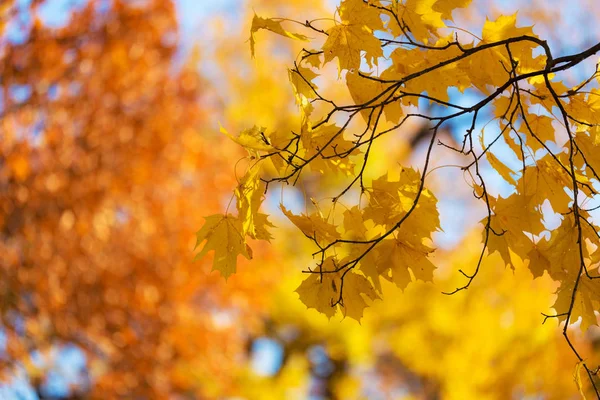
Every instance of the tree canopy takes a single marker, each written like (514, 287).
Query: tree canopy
(405, 61)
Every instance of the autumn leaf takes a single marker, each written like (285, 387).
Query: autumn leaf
(314, 226)
(249, 195)
(585, 303)
(273, 25)
(541, 131)
(372, 92)
(253, 139)
(445, 7)
(301, 80)
(387, 203)
(321, 291)
(328, 149)
(420, 17)
(354, 291)
(223, 234)
(500, 167)
(401, 259)
(354, 223)
(355, 35)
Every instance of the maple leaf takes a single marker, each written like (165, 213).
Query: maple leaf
(301, 80)
(501, 168)
(559, 255)
(354, 287)
(273, 25)
(583, 108)
(249, 195)
(586, 301)
(445, 7)
(319, 294)
(538, 263)
(360, 12)
(512, 217)
(321, 290)
(504, 27)
(518, 213)
(333, 149)
(370, 266)
(506, 242)
(354, 223)
(390, 200)
(347, 40)
(386, 202)
(254, 139)
(261, 226)
(588, 143)
(546, 181)
(488, 67)
(420, 17)
(370, 91)
(223, 234)
(313, 58)
(248, 198)
(544, 98)
(541, 127)
(314, 226)
(399, 258)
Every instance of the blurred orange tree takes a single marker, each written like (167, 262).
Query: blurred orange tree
(103, 155)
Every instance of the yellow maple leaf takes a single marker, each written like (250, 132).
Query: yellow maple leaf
(390, 200)
(354, 287)
(249, 195)
(544, 97)
(512, 217)
(324, 291)
(401, 259)
(386, 203)
(587, 300)
(506, 243)
(538, 263)
(518, 212)
(223, 234)
(496, 164)
(587, 143)
(347, 40)
(502, 169)
(354, 223)
(504, 27)
(541, 127)
(329, 147)
(363, 90)
(361, 13)
(321, 290)
(420, 18)
(445, 7)
(273, 25)
(253, 139)
(301, 80)
(314, 226)
(547, 181)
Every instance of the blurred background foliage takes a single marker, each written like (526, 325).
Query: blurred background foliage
(109, 157)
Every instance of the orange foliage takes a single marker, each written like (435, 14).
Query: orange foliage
(103, 158)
